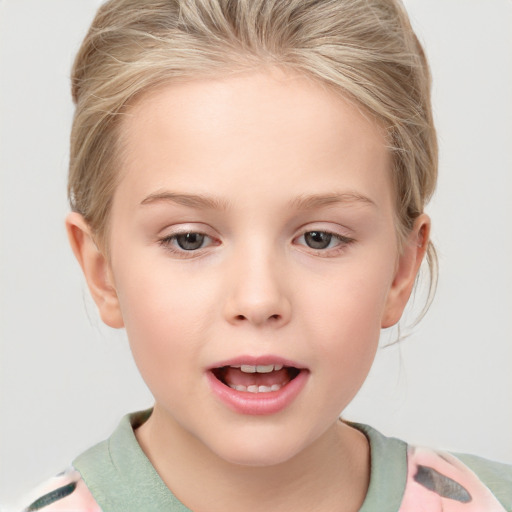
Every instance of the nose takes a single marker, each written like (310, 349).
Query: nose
(257, 292)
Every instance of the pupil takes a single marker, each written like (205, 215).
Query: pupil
(317, 239)
(190, 241)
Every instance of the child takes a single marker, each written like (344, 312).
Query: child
(248, 181)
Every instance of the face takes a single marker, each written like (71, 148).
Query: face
(253, 259)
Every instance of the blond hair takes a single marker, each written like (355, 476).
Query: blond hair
(365, 49)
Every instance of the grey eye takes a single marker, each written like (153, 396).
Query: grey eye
(190, 241)
(317, 239)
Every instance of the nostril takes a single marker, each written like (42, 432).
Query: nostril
(271, 317)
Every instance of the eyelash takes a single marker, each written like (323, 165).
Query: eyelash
(171, 244)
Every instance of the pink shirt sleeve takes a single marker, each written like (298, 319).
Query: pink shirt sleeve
(66, 492)
(439, 482)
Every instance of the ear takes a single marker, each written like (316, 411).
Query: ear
(407, 268)
(96, 269)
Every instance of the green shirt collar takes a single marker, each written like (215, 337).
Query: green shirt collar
(122, 479)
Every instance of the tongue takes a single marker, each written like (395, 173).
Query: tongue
(235, 377)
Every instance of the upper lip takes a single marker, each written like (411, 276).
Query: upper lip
(263, 360)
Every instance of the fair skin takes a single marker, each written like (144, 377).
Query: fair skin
(292, 258)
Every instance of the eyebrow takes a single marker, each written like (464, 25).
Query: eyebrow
(191, 200)
(310, 202)
(303, 202)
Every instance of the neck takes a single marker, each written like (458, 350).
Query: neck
(332, 474)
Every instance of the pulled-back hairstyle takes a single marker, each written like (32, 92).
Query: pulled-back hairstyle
(364, 49)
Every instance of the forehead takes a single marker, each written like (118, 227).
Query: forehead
(246, 126)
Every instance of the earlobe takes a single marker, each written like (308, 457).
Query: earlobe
(96, 269)
(407, 269)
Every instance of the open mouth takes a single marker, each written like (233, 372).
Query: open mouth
(256, 378)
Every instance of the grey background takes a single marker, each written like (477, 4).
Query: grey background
(65, 380)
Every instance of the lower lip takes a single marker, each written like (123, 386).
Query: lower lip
(244, 402)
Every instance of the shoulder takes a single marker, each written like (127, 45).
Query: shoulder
(456, 482)
(411, 479)
(495, 475)
(65, 492)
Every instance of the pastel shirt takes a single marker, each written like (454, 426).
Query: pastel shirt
(116, 476)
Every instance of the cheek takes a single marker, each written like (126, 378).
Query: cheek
(155, 296)
(350, 300)
(345, 320)
(165, 320)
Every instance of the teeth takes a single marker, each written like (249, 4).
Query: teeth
(249, 368)
(256, 389)
(265, 369)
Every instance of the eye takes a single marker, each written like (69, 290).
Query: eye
(324, 240)
(318, 239)
(188, 242)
